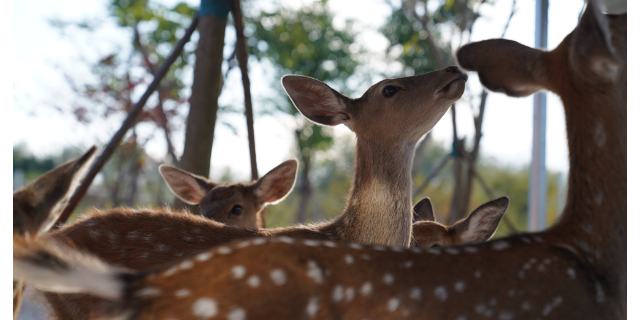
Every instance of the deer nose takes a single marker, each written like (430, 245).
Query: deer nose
(452, 69)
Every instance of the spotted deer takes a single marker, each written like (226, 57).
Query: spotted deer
(389, 119)
(576, 269)
(37, 206)
(479, 226)
(237, 204)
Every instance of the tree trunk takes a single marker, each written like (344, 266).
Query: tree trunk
(207, 83)
(305, 189)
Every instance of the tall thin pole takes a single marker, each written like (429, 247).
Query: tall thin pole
(538, 174)
(242, 54)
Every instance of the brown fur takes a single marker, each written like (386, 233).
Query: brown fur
(38, 205)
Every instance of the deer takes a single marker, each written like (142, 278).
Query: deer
(37, 206)
(478, 227)
(378, 208)
(237, 204)
(575, 269)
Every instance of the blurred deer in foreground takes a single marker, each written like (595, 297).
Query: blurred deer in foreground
(389, 120)
(237, 204)
(37, 206)
(574, 270)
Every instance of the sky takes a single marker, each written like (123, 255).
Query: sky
(41, 55)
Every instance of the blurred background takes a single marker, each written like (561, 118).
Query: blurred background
(83, 64)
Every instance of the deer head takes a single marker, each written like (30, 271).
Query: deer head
(478, 227)
(236, 204)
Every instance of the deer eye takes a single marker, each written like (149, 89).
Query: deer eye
(389, 91)
(236, 210)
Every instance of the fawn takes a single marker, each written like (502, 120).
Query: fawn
(37, 206)
(574, 270)
(235, 204)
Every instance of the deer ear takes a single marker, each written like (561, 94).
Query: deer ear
(37, 206)
(504, 66)
(482, 223)
(591, 43)
(189, 187)
(277, 183)
(316, 100)
(423, 211)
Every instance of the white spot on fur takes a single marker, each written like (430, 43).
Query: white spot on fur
(279, 277)
(393, 304)
(388, 278)
(598, 197)
(237, 314)
(571, 273)
(238, 271)
(538, 239)
(434, 250)
(182, 293)
(337, 294)
(355, 246)
(259, 241)
(441, 293)
(478, 274)
(599, 292)
(186, 264)
(500, 245)
(600, 135)
(314, 271)
(170, 271)
(415, 294)
(366, 288)
(526, 306)
(453, 251)
(493, 301)
(379, 248)
(161, 247)
(312, 243)
(525, 239)
(549, 307)
(408, 264)
(144, 256)
(205, 308)
(254, 281)
(148, 292)
(349, 259)
(470, 249)
(243, 244)
(313, 306)
(330, 244)
(459, 286)
(505, 315)
(203, 256)
(285, 239)
(416, 250)
(366, 257)
(397, 249)
(224, 250)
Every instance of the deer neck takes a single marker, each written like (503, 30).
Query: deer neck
(378, 209)
(594, 217)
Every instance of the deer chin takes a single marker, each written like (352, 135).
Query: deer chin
(454, 89)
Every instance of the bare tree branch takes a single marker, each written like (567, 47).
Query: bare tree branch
(432, 175)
